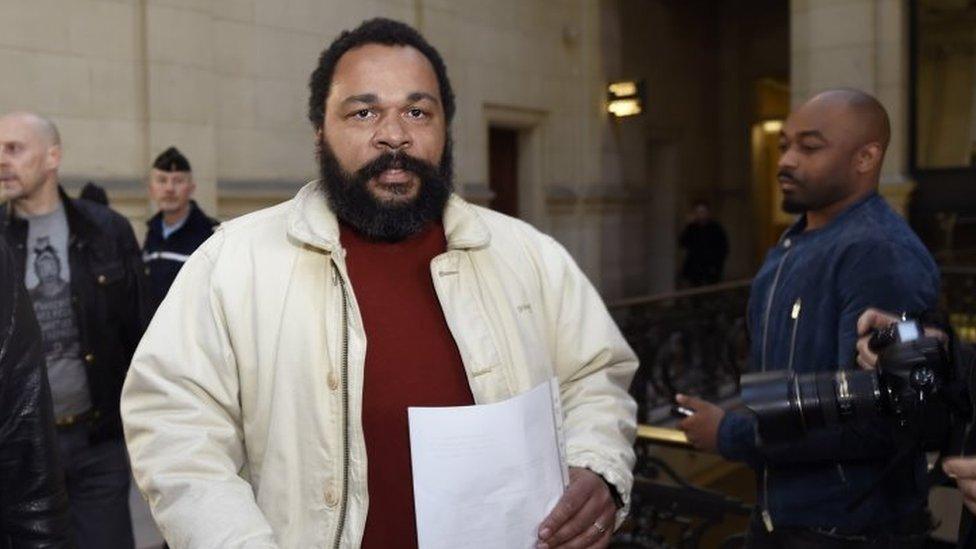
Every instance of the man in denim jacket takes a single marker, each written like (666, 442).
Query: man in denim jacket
(848, 250)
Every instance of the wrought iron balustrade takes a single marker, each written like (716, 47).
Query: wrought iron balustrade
(695, 342)
(690, 341)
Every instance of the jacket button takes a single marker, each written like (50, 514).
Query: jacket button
(787, 243)
(89, 358)
(333, 381)
(147, 271)
(102, 280)
(331, 498)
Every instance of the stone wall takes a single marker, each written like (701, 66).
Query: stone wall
(226, 82)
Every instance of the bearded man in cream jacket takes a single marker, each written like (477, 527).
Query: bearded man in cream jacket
(266, 405)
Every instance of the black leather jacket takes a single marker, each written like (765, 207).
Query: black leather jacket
(33, 503)
(108, 290)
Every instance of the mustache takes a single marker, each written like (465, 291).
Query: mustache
(787, 175)
(396, 161)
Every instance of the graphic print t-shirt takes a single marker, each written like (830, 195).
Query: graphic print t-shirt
(47, 276)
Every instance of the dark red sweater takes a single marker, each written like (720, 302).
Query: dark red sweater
(411, 360)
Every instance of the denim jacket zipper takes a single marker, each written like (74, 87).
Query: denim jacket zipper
(767, 517)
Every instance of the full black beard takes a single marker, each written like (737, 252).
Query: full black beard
(352, 202)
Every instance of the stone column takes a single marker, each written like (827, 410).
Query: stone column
(861, 44)
(180, 88)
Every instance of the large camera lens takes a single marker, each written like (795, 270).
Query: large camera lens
(789, 404)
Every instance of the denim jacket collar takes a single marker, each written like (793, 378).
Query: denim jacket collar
(798, 229)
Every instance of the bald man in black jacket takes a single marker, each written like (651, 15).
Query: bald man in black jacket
(33, 502)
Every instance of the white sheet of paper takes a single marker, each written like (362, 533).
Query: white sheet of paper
(486, 476)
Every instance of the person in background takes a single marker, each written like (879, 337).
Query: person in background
(94, 193)
(706, 247)
(80, 263)
(178, 228)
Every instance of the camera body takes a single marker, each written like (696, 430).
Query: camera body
(909, 388)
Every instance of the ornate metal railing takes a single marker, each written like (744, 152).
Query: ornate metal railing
(695, 342)
(691, 341)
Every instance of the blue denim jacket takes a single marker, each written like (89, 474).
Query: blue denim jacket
(803, 310)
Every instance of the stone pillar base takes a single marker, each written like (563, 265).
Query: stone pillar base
(897, 194)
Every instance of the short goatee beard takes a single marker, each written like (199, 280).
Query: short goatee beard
(791, 207)
(354, 204)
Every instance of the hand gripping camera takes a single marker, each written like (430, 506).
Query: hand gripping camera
(913, 386)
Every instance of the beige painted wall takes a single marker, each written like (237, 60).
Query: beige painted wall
(226, 82)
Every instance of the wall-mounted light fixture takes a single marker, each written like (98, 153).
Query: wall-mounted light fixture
(772, 126)
(625, 98)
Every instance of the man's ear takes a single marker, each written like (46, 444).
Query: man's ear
(53, 158)
(869, 158)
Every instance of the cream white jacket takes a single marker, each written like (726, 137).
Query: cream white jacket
(242, 404)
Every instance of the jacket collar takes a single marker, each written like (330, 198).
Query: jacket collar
(79, 226)
(194, 218)
(868, 202)
(311, 222)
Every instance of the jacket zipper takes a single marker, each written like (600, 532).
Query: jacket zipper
(767, 517)
(345, 405)
(795, 315)
(769, 305)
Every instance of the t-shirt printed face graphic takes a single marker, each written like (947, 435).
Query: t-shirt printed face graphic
(51, 295)
(48, 279)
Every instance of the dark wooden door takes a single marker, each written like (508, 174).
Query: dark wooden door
(503, 169)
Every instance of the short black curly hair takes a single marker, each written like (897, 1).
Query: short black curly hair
(374, 31)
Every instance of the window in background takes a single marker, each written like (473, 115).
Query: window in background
(945, 83)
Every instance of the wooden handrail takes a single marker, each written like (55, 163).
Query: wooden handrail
(959, 270)
(663, 436)
(666, 296)
(735, 285)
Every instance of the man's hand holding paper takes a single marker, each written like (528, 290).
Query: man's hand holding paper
(584, 515)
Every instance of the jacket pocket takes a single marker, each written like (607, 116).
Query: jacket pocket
(108, 274)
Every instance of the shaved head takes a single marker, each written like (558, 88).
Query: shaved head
(30, 155)
(44, 127)
(832, 149)
(864, 110)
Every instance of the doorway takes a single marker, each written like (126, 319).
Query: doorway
(503, 169)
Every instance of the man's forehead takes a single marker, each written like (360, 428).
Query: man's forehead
(380, 70)
(163, 173)
(17, 129)
(817, 116)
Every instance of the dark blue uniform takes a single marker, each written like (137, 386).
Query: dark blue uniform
(164, 257)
